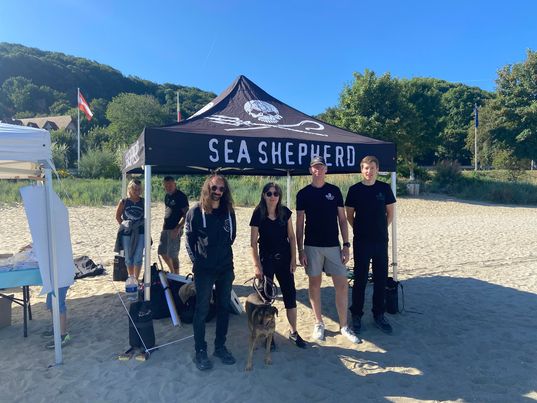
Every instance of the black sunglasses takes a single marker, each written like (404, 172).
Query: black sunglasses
(214, 188)
(270, 194)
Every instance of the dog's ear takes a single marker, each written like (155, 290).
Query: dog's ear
(274, 310)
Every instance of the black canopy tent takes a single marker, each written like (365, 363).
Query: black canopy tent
(246, 131)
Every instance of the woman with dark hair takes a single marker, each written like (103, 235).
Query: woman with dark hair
(210, 231)
(272, 230)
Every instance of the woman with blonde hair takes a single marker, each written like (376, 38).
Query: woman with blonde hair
(130, 217)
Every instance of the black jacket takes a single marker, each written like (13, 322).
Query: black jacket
(209, 244)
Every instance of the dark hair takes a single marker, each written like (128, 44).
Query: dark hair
(168, 179)
(262, 205)
(226, 202)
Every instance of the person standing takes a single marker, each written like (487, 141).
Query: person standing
(130, 217)
(320, 207)
(272, 229)
(210, 232)
(370, 207)
(176, 208)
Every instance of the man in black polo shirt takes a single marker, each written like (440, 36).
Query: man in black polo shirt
(176, 204)
(370, 206)
(321, 205)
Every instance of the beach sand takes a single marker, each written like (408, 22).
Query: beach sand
(468, 332)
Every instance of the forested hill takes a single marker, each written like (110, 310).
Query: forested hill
(35, 82)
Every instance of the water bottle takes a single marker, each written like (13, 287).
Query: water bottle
(131, 289)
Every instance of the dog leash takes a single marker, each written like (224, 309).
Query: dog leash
(265, 288)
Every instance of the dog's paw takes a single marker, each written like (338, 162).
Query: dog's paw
(268, 361)
(249, 367)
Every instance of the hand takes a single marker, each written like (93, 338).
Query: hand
(258, 273)
(293, 267)
(303, 259)
(177, 232)
(344, 255)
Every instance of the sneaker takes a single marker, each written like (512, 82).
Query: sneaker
(224, 355)
(295, 338)
(48, 333)
(66, 339)
(349, 334)
(383, 324)
(356, 323)
(202, 361)
(318, 331)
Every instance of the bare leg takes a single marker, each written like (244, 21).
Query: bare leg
(342, 298)
(315, 297)
(291, 317)
(137, 270)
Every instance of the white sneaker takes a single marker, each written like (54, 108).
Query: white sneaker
(349, 334)
(318, 331)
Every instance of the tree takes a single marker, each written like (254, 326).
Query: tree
(130, 113)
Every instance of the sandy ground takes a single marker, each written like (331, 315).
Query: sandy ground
(468, 332)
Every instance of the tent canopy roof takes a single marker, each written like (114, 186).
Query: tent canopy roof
(247, 131)
(23, 150)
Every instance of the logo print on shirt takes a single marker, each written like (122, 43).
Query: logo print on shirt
(330, 196)
(227, 226)
(380, 197)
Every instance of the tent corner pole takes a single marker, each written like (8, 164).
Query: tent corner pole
(394, 227)
(147, 232)
(123, 184)
(288, 189)
(53, 268)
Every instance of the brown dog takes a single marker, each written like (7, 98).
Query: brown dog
(262, 323)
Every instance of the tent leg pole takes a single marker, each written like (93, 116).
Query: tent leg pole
(288, 189)
(123, 185)
(53, 269)
(394, 228)
(147, 232)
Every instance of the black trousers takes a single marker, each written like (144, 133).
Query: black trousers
(364, 253)
(280, 267)
(222, 279)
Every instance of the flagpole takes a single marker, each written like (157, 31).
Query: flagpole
(178, 108)
(475, 137)
(78, 127)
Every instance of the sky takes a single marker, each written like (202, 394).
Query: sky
(301, 52)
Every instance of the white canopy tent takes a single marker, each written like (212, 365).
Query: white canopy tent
(25, 152)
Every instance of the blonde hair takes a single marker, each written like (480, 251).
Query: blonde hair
(132, 184)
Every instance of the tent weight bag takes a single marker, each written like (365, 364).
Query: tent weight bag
(142, 316)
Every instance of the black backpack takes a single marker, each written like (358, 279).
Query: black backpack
(85, 267)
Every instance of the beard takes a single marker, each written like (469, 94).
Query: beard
(215, 197)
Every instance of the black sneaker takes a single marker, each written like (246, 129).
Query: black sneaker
(383, 324)
(202, 361)
(224, 355)
(299, 341)
(356, 323)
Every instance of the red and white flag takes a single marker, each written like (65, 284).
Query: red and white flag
(84, 106)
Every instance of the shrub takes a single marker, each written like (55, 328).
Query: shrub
(99, 164)
(448, 176)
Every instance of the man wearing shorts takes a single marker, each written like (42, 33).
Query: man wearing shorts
(176, 204)
(320, 205)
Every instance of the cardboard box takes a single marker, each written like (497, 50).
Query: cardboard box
(5, 312)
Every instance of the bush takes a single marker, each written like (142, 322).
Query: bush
(448, 176)
(99, 164)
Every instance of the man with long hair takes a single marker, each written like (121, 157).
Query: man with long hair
(210, 232)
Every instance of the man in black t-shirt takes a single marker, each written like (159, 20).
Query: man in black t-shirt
(176, 204)
(370, 207)
(321, 204)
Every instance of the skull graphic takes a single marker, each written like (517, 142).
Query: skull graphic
(263, 111)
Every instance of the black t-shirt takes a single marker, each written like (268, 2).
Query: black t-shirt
(272, 233)
(175, 203)
(369, 203)
(134, 211)
(321, 208)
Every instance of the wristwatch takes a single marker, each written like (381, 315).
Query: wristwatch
(347, 244)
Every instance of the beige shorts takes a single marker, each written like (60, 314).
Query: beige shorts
(320, 258)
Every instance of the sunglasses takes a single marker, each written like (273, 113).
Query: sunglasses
(214, 188)
(270, 194)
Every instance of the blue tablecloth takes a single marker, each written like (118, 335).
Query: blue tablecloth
(20, 277)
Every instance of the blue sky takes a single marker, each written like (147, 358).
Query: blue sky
(302, 52)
